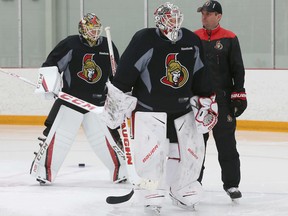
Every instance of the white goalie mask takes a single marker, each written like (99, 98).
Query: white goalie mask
(169, 19)
(90, 28)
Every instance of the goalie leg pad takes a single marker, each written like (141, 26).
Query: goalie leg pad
(151, 144)
(54, 149)
(105, 146)
(191, 146)
(184, 186)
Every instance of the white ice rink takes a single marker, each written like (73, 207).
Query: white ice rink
(82, 191)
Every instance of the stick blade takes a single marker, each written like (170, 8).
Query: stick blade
(119, 199)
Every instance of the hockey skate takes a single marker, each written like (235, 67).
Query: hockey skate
(180, 204)
(153, 201)
(42, 181)
(152, 209)
(233, 193)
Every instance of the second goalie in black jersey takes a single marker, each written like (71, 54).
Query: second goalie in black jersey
(84, 64)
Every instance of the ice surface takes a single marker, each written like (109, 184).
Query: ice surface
(81, 191)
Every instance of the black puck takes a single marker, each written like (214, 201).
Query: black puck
(81, 164)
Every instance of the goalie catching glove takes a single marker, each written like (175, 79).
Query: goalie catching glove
(205, 111)
(238, 102)
(118, 106)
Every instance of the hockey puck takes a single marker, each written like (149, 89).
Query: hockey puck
(81, 164)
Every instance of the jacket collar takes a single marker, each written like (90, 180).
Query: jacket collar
(213, 31)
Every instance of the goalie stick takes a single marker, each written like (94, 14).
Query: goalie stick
(125, 135)
(124, 198)
(125, 129)
(19, 77)
(138, 182)
(119, 199)
(134, 178)
(63, 96)
(110, 48)
(128, 149)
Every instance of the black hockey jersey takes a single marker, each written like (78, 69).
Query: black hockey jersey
(163, 75)
(85, 69)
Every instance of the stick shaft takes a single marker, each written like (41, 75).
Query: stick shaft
(63, 96)
(19, 77)
(111, 52)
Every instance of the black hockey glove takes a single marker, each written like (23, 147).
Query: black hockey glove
(238, 103)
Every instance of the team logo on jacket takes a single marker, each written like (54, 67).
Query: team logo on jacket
(91, 72)
(176, 74)
(218, 45)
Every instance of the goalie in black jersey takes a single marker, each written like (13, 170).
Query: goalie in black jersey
(163, 68)
(84, 64)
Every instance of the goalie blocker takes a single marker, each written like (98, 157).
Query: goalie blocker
(49, 82)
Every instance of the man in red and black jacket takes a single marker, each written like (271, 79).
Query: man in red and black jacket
(224, 62)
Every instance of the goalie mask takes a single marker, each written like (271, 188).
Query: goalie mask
(168, 18)
(90, 28)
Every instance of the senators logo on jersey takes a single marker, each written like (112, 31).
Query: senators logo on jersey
(176, 74)
(91, 72)
(218, 45)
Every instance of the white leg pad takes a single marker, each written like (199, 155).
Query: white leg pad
(191, 146)
(104, 145)
(151, 145)
(184, 186)
(58, 143)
